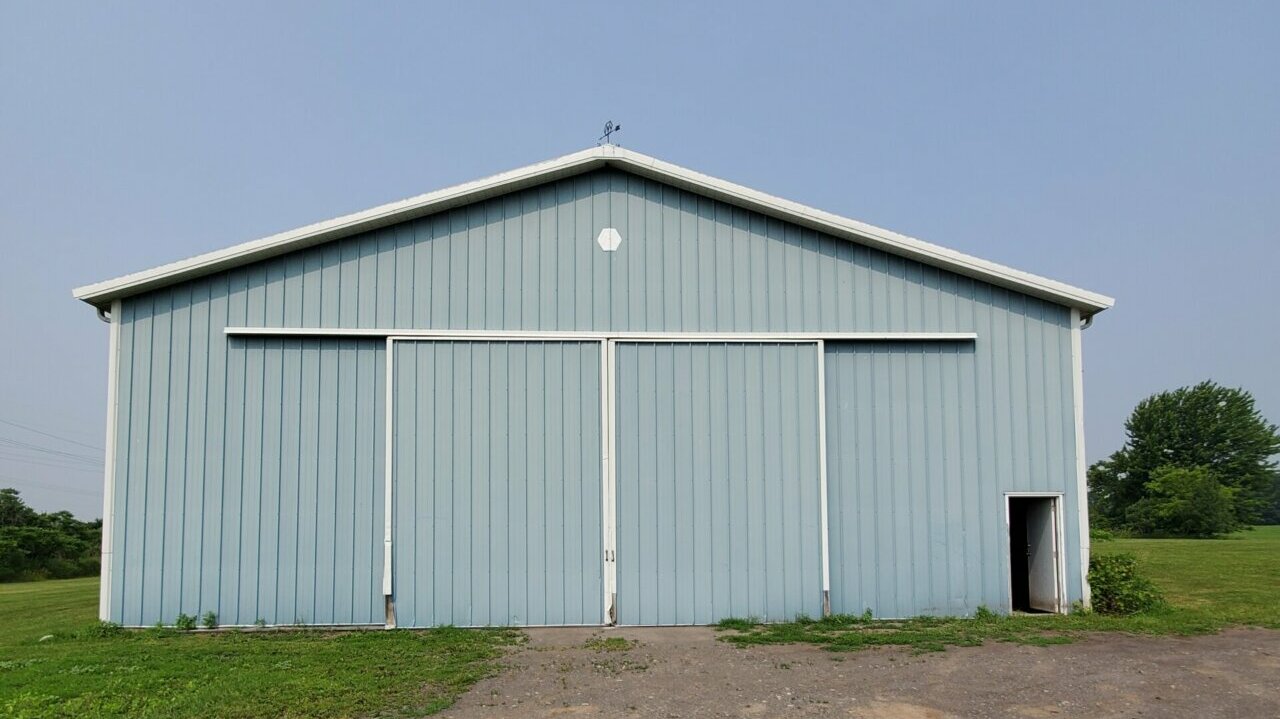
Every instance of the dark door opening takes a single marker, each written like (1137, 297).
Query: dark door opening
(1033, 554)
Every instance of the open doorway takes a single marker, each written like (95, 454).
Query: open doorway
(1033, 554)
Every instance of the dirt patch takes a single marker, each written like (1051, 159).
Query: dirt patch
(686, 672)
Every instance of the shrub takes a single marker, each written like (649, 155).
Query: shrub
(185, 622)
(209, 620)
(1117, 586)
(1099, 534)
(1185, 502)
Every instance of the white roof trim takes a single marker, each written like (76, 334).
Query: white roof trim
(102, 293)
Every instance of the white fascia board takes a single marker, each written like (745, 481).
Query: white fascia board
(877, 237)
(1087, 302)
(394, 212)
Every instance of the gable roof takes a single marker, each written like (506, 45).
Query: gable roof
(102, 293)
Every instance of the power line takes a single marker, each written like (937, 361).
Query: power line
(48, 461)
(31, 454)
(55, 487)
(27, 446)
(47, 434)
(38, 463)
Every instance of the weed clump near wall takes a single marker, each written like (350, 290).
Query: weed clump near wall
(1119, 588)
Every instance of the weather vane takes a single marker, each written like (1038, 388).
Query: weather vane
(609, 129)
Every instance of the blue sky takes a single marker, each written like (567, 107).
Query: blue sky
(1129, 148)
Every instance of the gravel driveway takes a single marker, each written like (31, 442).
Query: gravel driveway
(686, 672)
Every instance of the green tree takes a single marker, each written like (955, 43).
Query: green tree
(1271, 515)
(13, 511)
(1209, 426)
(35, 545)
(1184, 502)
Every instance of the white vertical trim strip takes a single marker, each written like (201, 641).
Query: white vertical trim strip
(387, 468)
(1082, 469)
(611, 510)
(1060, 554)
(109, 470)
(822, 477)
(605, 519)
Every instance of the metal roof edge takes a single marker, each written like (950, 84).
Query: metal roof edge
(101, 293)
(880, 238)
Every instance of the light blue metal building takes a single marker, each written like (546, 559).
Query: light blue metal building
(598, 389)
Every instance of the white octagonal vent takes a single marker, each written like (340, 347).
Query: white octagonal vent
(609, 239)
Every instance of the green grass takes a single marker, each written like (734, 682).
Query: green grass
(742, 624)
(1208, 584)
(610, 644)
(83, 671)
(1235, 580)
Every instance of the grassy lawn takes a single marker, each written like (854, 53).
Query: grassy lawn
(1229, 581)
(80, 672)
(1209, 584)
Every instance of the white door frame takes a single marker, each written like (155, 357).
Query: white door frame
(611, 470)
(389, 442)
(1059, 547)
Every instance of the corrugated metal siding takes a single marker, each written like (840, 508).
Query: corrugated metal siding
(248, 479)
(529, 260)
(923, 440)
(497, 484)
(718, 511)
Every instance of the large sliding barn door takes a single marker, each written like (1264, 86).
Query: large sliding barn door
(497, 483)
(718, 481)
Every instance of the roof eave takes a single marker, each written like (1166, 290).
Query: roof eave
(101, 294)
(1089, 303)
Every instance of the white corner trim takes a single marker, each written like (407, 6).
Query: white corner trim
(109, 469)
(576, 163)
(1082, 468)
(557, 335)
